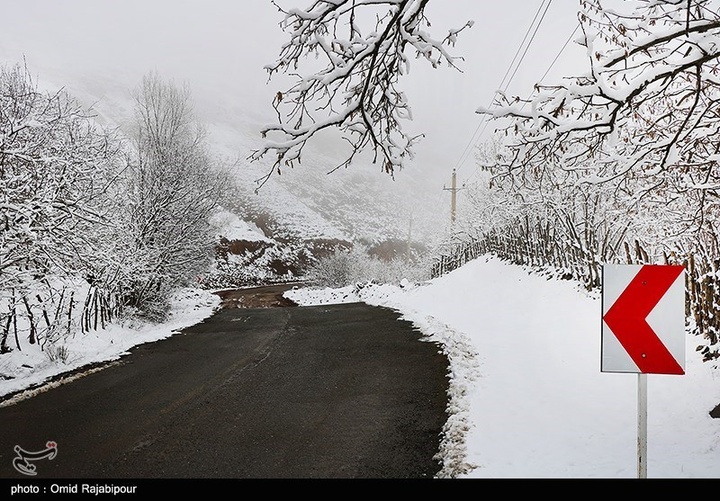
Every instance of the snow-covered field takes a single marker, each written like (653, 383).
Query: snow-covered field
(527, 396)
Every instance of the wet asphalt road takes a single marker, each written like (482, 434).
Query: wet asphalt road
(337, 391)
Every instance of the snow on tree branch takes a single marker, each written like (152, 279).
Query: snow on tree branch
(55, 168)
(361, 50)
(645, 115)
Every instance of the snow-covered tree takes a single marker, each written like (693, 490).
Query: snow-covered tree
(352, 266)
(643, 118)
(360, 49)
(636, 136)
(173, 187)
(55, 167)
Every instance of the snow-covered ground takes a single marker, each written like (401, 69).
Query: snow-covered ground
(527, 386)
(527, 397)
(228, 225)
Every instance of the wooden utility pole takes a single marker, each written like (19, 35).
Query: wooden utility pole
(453, 198)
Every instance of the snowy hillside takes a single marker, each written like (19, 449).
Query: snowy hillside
(101, 62)
(358, 203)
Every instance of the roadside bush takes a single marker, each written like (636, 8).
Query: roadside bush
(347, 267)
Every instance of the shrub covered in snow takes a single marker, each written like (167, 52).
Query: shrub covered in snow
(346, 267)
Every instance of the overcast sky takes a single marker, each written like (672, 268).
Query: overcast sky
(219, 48)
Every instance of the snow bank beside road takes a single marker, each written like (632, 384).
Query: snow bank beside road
(528, 399)
(21, 369)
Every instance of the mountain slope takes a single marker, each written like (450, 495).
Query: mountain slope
(357, 204)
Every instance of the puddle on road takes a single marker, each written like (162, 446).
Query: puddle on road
(262, 297)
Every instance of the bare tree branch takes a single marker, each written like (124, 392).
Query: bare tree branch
(362, 49)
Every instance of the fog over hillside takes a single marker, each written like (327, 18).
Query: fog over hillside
(100, 50)
(355, 203)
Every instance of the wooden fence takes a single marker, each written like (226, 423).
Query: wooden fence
(46, 316)
(543, 246)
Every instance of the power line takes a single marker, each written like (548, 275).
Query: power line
(547, 71)
(527, 32)
(562, 49)
(537, 27)
(484, 121)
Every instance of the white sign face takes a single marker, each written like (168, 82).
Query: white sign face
(643, 319)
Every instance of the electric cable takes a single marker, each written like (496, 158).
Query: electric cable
(547, 71)
(545, 4)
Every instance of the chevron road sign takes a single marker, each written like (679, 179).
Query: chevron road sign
(643, 328)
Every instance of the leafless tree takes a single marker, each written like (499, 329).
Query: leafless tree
(173, 186)
(56, 166)
(57, 169)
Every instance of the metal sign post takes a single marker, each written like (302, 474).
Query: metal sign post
(642, 426)
(643, 330)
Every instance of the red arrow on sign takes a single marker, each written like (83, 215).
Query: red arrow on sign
(626, 318)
